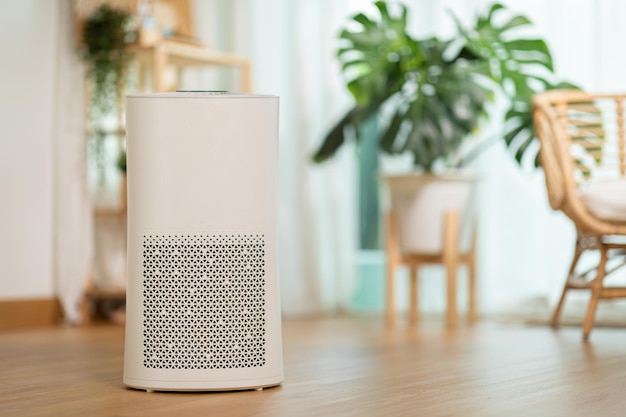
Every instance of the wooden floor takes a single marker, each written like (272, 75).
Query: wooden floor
(338, 367)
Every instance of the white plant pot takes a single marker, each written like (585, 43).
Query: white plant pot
(420, 202)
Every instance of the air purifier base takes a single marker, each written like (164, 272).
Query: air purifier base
(201, 386)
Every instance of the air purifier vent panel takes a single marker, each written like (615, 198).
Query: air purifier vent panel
(204, 301)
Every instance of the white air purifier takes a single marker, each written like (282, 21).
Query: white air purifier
(202, 306)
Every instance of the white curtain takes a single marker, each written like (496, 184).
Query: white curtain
(291, 46)
(73, 210)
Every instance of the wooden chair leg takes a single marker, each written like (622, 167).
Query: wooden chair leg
(471, 267)
(451, 262)
(596, 288)
(87, 306)
(392, 263)
(472, 314)
(85, 311)
(391, 307)
(557, 312)
(413, 291)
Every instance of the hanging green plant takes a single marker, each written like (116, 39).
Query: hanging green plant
(121, 161)
(105, 38)
(104, 52)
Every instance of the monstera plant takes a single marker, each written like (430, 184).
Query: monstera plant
(431, 94)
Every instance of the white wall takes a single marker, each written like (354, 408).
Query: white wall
(27, 46)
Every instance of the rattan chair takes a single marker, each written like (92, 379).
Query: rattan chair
(583, 157)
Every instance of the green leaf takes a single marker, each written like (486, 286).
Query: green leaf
(533, 45)
(512, 134)
(389, 136)
(334, 139)
(494, 8)
(528, 138)
(527, 45)
(364, 20)
(360, 62)
(515, 22)
(382, 8)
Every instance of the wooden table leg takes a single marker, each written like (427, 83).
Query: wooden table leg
(413, 293)
(451, 262)
(392, 262)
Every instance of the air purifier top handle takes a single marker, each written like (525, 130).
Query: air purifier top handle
(207, 94)
(203, 91)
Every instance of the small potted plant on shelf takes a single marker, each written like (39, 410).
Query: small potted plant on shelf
(431, 96)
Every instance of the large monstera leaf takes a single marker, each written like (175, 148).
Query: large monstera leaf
(377, 53)
(445, 107)
(520, 64)
(374, 57)
(434, 100)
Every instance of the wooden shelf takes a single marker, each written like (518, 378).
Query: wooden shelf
(107, 293)
(182, 54)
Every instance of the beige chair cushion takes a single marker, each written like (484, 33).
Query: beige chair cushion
(606, 199)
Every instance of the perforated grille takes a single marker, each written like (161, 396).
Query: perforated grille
(204, 301)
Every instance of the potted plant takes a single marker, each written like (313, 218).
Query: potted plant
(431, 95)
(106, 34)
(105, 37)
